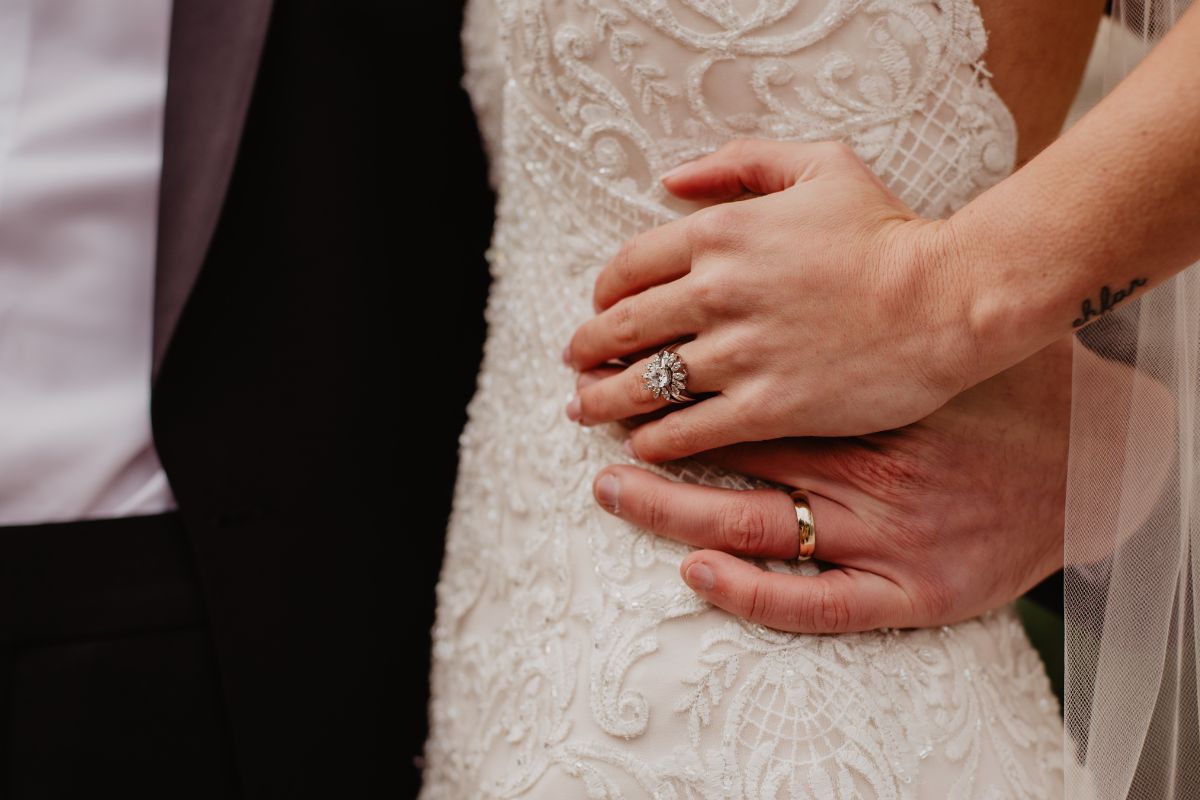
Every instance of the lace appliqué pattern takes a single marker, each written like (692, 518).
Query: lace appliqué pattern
(639, 86)
(569, 658)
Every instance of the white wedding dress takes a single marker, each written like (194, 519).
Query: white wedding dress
(570, 660)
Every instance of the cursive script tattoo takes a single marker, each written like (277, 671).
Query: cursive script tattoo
(1108, 301)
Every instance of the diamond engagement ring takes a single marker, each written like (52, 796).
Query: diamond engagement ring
(666, 377)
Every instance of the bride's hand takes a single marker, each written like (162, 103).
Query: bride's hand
(928, 525)
(818, 308)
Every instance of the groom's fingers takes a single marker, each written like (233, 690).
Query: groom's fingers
(836, 601)
(762, 523)
(755, 522)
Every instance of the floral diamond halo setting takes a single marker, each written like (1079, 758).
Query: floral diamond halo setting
(665, 377)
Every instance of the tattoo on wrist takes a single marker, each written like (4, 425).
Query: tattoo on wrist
(1108, 301)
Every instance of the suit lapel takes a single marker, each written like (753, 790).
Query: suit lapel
(214, 54)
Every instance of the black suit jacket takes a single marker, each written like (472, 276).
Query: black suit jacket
(270, 388)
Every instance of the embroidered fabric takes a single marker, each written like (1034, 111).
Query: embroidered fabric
(569, 658)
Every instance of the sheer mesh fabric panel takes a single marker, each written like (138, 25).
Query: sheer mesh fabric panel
(928, 171)
(1133, 515)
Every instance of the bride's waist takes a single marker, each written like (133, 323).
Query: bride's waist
(518, 424)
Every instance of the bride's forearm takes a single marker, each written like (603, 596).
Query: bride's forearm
(1103, 214)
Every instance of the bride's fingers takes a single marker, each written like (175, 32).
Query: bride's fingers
(705, 425)
(836, 601)
(625, 394)
(755, 522)
(655, 317)
(586, 379)
(651, 258)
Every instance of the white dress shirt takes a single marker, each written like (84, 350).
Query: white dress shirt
(82, 85)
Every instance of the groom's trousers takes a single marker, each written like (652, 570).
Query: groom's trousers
(108, 686)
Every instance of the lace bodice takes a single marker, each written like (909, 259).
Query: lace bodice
(569, 658)
(633, 87)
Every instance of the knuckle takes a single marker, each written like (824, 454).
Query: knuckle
(709, 291)
(626, 324)
(745, 526)
(664, 440)
(829, 611)
(674, 436)
(758, 602)
(735, 354)
(714, 227)
(623, 263)
(741, 355)
(760, 411)
(654, 510)
(697, 229)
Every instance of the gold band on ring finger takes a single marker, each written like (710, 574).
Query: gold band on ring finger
(806, 528)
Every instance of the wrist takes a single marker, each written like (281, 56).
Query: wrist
(955, 301)
(1002, 321)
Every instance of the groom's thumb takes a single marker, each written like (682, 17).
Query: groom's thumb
(758, 166)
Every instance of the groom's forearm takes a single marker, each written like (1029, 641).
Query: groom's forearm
(1101, 216)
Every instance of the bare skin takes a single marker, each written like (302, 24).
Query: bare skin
(900, 313)
(1036, 54)
(973, 445)
(1107, 211)
(1051, 40)
(920, 527)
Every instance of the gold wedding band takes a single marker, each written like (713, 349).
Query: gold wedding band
(805, 525)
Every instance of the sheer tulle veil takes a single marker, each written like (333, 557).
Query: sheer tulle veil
(1133, 519)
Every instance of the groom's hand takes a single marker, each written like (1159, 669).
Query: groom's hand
(927, 525)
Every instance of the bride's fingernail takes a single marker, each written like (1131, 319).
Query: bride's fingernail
(566, 355)
(574, 409)
(699, 577)
(608, 493)
(627, 446)
(674, 171)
